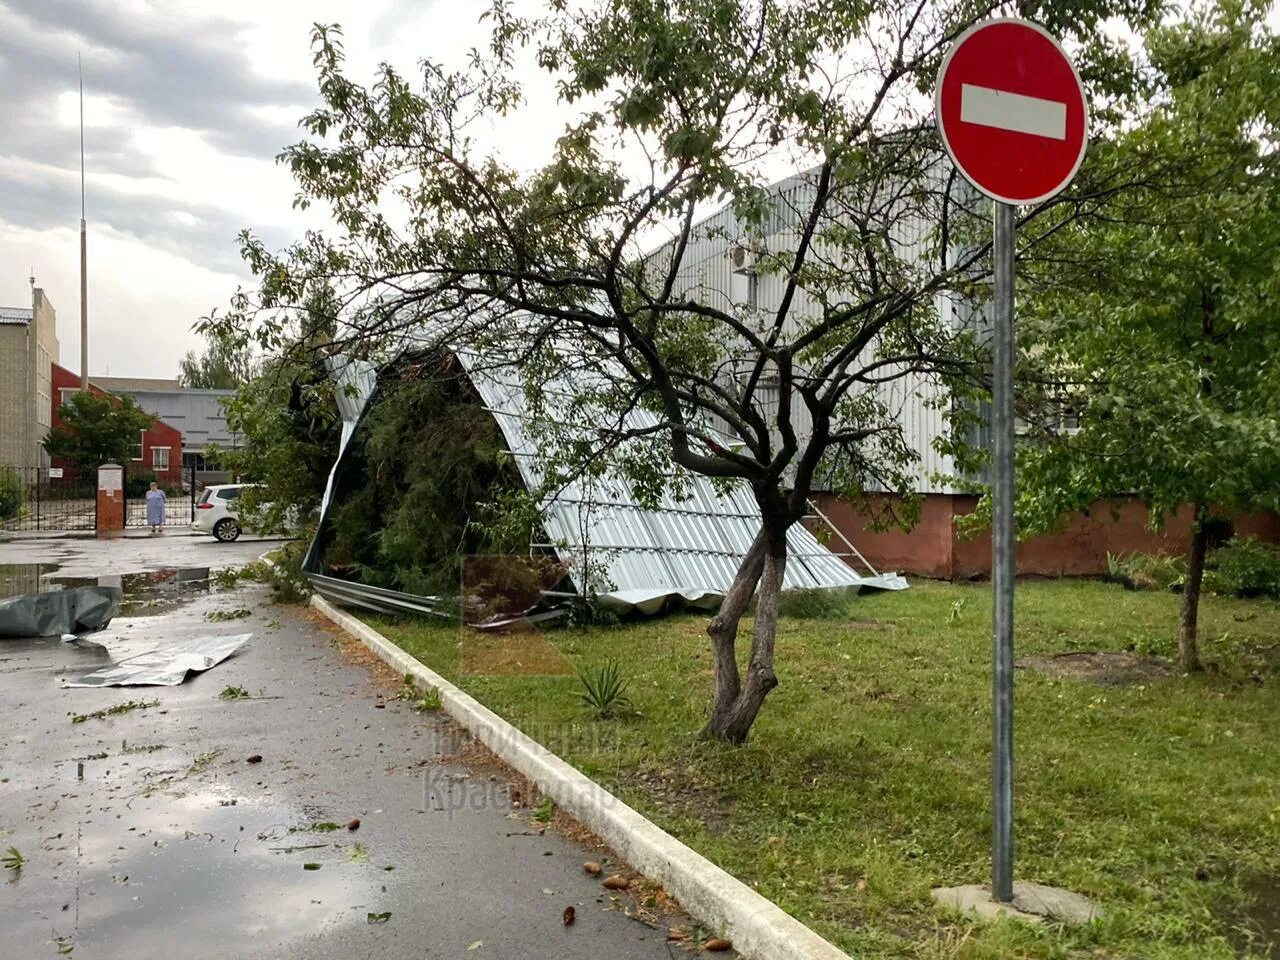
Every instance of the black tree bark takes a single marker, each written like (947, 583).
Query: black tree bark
(1188, 640)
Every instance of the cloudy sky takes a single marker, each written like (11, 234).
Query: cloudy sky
(186, 105)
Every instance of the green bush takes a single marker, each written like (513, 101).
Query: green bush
(817, 603)
(1147, 571)
(1244, 568)
(12, 493)
(137, 483)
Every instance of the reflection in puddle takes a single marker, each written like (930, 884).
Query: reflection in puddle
(145, 593)
(214, 874)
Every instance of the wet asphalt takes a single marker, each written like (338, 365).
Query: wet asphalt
(148, 833)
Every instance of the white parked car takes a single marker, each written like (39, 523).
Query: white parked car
(216, 511)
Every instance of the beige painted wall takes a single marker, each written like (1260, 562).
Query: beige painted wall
(27, 354)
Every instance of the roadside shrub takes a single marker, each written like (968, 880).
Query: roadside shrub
(604, 689)
(817, 603)
(12, 493)
(137, 483)
(1244, 568)
(1147, 571)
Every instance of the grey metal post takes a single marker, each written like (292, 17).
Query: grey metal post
(1002, 559)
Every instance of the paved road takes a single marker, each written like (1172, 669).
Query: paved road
(149, 834)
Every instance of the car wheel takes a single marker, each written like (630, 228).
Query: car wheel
(226, 530)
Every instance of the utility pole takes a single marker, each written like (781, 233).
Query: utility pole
(84, 263)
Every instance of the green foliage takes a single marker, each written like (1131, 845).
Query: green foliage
(1157, 324)
(820, 603)
(222, 365)
(1244, 568)
(221, 616)
(138, 482)
(234, 693)
(543, 811)
(12, 859)
(12, 492)
(428, 702)
(1147, 571)
(418, 489)
(97, 429)
(604, 689)
(287, 428)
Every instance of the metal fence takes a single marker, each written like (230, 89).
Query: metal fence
(47, 498)
(179, 501)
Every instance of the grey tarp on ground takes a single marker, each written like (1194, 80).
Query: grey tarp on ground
(59, 612)
(166, 666)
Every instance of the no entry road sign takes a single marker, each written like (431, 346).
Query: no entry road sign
(1012, 111)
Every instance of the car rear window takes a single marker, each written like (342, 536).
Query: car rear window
(204, 497)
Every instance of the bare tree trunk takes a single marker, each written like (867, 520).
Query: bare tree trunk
(732, 716)
(723, 630)
(1188, 648)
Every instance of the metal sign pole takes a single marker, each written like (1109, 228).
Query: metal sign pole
(1002, 559)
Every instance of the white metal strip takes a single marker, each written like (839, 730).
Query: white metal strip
(1013, 111)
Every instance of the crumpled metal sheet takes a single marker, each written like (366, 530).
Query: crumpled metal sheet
(685, 554)
(59, 612)
(166, 666)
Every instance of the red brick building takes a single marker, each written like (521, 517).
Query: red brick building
(158, 449)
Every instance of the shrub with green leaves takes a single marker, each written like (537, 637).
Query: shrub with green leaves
(1244, 568)
(604, 689)
(12, 493)
(818, 603)
(1147, 571)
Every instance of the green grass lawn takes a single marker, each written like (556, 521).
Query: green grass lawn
(865, 782)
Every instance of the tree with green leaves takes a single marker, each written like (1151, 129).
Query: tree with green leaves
(549, 262)
(97, 429)
(287, 426)
(1160, 323)
(220, 366)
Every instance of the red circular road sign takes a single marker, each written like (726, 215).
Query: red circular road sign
(1012, 111)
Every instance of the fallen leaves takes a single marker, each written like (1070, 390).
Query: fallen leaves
(569, 916)
(615, 882)
(378, 917)
(592, 868)
(256, 758)
(353, 823)
(716, 945)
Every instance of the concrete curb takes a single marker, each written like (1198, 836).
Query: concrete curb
(758, 928)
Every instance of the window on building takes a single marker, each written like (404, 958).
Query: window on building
(159, 458)
(137, 447)
(65, 394)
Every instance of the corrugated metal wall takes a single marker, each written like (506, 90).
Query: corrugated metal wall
(706, 273)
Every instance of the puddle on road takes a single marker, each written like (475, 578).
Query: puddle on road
(215, 876)
(146, 593)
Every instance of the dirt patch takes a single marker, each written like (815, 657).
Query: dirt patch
(1108, 669)
(520, 653)
(680, 793)
(1259, 927)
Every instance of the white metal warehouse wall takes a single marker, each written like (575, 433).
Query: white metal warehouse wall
(706, 272)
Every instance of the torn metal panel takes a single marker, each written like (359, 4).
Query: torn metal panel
(690, 546)
(59, 612)
(166, 666)
(685, 552)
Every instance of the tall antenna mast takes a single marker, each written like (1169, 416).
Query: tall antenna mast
(84, 267)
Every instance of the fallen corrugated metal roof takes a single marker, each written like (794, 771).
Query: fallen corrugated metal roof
(687, 550)
(692, 542)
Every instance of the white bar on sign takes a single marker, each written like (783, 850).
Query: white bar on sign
(1013, 111)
